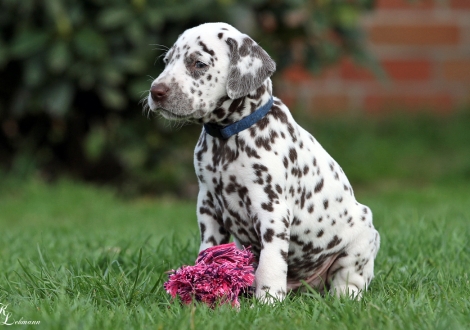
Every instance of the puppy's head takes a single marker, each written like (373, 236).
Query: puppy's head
(207, 65)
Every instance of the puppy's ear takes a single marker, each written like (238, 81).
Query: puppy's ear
(249, 67)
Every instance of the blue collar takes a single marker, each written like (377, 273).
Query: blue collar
(224, 132)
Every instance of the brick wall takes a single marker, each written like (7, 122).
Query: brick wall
(424, 47)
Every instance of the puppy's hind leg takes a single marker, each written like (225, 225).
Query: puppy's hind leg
(351, 274)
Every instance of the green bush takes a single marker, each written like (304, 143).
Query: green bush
(73, 72)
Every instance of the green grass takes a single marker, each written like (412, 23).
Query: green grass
(78, 257)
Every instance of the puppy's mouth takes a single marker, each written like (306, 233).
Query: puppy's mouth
(171, 115)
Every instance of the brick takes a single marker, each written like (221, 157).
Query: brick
(441, 102)
(404, 70)
(405, 4)
(330, 103)
(459, 4)
(350, 71)
(415, 35)
(457, 70)
(297, 74)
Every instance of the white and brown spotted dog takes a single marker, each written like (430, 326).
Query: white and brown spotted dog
(262, 178)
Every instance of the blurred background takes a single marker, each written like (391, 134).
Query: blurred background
(384, 85)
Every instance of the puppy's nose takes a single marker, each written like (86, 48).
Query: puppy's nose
(159, 92)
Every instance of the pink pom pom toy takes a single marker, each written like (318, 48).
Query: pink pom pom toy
(219, 275)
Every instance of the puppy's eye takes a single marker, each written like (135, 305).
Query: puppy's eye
(200, 65)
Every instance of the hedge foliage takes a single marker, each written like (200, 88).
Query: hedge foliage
(73, 72)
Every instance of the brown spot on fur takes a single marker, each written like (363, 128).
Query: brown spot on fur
(334, 242)
(319, 186)
(268, 235)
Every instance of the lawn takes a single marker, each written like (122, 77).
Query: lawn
(76, 256)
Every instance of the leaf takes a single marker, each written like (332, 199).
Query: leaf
(139, 88)
(85, 72)
(346, 16)
(59, 57)
(58, 98)
(95, 143)
(112, 18)
(367, 60)
(133, 63)
(313, 62)
(28, 42)
(154, 18)
(135, 33)
(133, 156)
(90, 44)
(111, 75)
(319, 22)
(3, 53)
(112, 97)
(34, 73)
(330, 52)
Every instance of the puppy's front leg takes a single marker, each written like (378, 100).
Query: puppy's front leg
(210, 225)
(271, 274)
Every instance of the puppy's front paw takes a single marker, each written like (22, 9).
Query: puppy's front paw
(267, 296)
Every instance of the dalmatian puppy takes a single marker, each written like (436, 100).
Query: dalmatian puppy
(262, 178)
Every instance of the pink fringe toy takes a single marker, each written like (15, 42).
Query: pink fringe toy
(218, 276)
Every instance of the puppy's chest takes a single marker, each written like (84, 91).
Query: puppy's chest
(224, 169)
(215, 160)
